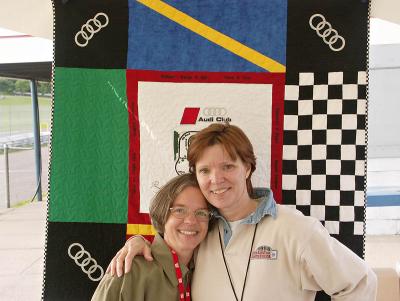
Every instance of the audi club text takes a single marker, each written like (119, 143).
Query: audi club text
(217, 119)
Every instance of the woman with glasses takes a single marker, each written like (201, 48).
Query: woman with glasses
(180, 215)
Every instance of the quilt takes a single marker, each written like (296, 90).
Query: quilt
(133, 80)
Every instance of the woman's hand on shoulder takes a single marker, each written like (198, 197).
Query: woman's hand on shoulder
(122, 261)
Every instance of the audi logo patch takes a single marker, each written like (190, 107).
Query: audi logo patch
(329, 35)
(84, 260)
(91, 27)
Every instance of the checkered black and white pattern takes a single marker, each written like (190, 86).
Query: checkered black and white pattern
(324, 149)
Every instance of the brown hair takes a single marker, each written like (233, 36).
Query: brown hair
(165, 197)
(234, 141)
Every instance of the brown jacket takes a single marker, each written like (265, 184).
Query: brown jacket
(149, 281)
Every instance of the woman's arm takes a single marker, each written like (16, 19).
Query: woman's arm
(108, 289)
(122, 261)
(129, 287)
(328, 264)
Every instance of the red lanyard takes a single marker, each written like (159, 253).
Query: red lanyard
(182, 295)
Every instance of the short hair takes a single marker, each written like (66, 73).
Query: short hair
(165, 197)
(233, 140)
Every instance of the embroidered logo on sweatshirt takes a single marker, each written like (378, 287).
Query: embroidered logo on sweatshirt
(264, 252)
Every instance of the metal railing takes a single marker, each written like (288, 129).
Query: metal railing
(13, 146)
(7, 175)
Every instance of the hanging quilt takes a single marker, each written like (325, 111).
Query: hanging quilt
(135, 79)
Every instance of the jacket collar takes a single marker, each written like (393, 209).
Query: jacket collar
(266, 206)
(162, 254)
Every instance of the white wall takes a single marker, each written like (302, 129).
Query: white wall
(384, 137)
(384, 102)
(383, 220)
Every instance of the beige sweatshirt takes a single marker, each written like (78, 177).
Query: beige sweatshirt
(293, 257)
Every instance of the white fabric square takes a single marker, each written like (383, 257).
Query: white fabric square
(319, 122)
(304, 137)
(291, 92)
(306, 107)
(303, 167)
(290, 152)
(289, 182)
(303, 197)
(359, 198)
(335, 106)
(318, 152)
(334, 137)
(318, 211)
(350, 91)
(332, 198)
(348, 152)
(346, 213)
(335, 78)
(362, 78)
(306, 79)
(361, 106)
(358, 228)
(332, 227)
(360, 137)
(360, 168)
(347, 182)
(333, 167)
(320, 92)
(318, 182)
(349, 122)
(291, 122)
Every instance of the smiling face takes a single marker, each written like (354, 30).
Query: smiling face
(222, 180)
(185, 234)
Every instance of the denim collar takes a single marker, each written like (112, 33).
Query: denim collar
(266, 206)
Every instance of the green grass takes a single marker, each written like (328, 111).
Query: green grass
(14, 100)
(16, 114)
(20, 204)
(25, 202)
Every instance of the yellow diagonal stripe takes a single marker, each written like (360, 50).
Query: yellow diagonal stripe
(134, 229)
(214, 36)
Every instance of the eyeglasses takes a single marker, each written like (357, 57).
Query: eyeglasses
(182, 212)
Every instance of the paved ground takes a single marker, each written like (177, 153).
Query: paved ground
(22, 239)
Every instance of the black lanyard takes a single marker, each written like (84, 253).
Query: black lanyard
(248, 263)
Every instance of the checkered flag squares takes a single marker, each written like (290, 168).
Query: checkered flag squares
(324, 148)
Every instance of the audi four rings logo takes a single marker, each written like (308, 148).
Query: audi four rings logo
(88, 265)
(214, 111)
(330, 36)
(91, 27)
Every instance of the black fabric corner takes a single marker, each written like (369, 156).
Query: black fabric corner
(106, 49)
(64, 278)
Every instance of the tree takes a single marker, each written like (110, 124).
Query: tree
(7, 86)
(22, 86)
(44, 88)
